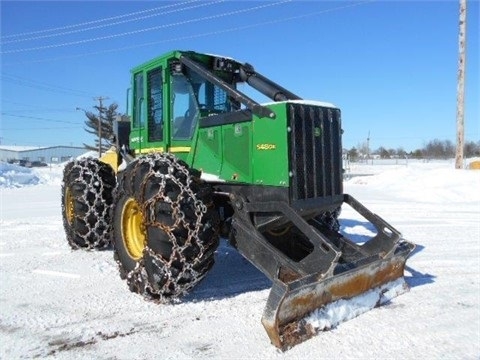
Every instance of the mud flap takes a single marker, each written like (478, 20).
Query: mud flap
(290, 303)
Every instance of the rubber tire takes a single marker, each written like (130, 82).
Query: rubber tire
(90, 184)
(171, 264)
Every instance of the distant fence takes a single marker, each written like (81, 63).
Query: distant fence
(397, 161)
(372, 166)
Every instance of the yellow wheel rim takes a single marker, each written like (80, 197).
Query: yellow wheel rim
(69, 205)
(133, 229)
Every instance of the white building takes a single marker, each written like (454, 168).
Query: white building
(49, 155)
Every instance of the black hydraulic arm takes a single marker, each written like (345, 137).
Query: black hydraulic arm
(265, 85)
(256, 108)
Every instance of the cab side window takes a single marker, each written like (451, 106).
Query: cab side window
(139, 113)
(155, 105)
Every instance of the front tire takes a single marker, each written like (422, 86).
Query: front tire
(87, 198)
(165, 228)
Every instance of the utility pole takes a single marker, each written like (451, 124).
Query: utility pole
(461, 85)
(100, 100)
(368, 146)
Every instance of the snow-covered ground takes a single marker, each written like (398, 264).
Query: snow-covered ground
(63, 304)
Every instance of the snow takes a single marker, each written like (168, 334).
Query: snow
(18, 176)
(343, 310)
(409, 182)
(211, 177)
(56, 303)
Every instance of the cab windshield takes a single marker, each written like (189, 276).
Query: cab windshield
(194, 97)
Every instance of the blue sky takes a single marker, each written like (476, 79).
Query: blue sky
(391, 66)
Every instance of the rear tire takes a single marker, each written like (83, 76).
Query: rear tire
(165, 228)
(87, 198)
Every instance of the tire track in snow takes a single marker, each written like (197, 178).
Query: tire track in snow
(56, 273)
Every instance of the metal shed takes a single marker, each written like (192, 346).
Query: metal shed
(49, 155)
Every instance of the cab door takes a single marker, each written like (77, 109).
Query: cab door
(137, 133)
(148, 132)
(184, 114)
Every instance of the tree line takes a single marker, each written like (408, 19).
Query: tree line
(434, 149)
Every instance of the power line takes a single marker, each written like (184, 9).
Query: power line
(35, 107)
(37, 118)
(110, 24)
(40, 128)
(93, 21)
(188, 37)
(39, 110)
(216, 16)
(41, 85)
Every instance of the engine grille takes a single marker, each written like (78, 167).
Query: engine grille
(315, 151)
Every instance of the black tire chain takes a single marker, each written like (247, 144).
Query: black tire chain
(166, 283)
(92, 226)
(330, 219)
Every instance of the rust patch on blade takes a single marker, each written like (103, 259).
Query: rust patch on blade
(311, 300)
(363, 282)
(295, 333)
(333, 289)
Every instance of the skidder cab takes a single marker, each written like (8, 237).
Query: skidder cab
(205, 160)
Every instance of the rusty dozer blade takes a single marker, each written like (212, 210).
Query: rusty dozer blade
(289, 303)
(311, 265)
